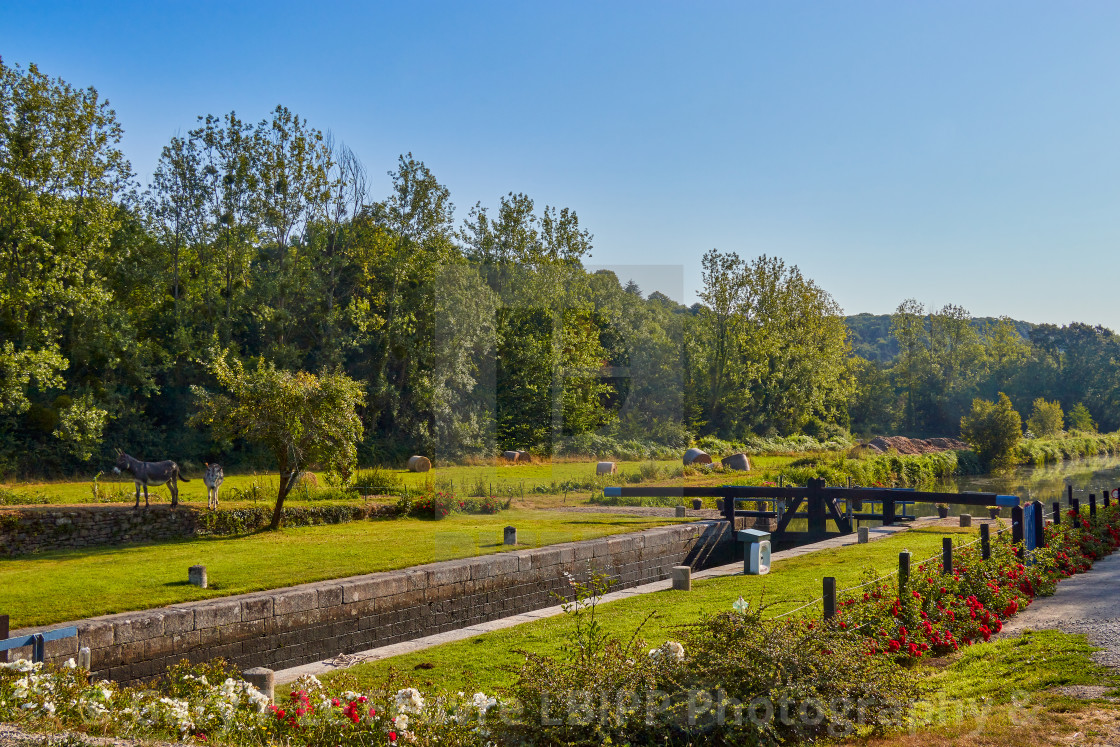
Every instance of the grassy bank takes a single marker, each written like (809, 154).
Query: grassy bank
(72, 584)
(1041, 451)
(491, 661)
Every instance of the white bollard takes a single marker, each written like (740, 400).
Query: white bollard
(862, 534)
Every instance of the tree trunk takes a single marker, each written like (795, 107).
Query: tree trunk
(287, 479)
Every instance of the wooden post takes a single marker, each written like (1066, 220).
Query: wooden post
(1075, 506)
(903, 573)
(1106, 497)
(818, 521)
(888, 511)
(1057, 513)
(1039, 526)
(829, 597)
(1069, 493)
(3, 636)
(947, 556)
(1092, 505)
(985, 541)
(1017, 528)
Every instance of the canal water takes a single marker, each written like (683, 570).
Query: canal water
(1092, 475)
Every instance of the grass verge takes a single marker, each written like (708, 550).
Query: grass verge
(491, 660)
(72, 584)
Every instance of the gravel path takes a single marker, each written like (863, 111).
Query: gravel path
(1088, 603)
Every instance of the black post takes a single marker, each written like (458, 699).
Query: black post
(903, 573)
(1017, 527)
(729, 510)
(888, 511)
(829, 597)
(1092, 505)
(1057, 513)
(1069, 493)
(818, 517)
(38, 648)
(985, 541)
(947, 556)
(1075, 506)
(3, 636)
(1039, 526)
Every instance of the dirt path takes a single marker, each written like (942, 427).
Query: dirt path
(1088, 603)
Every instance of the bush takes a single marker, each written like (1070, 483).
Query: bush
(1046, 418)
(994, 430)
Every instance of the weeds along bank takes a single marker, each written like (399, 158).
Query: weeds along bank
(1041, 451)
(734, 677)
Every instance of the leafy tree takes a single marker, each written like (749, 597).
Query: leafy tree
(300, 418)
(1046, 418)
(993, 429)
(1080, 419)
(61, 173)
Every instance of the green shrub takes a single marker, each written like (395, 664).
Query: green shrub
(993, 430)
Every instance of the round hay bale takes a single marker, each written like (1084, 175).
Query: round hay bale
(523, 456)
(696, 456)
(511, 456)
(606, 468)
(419, 464)
(737, 461)
(307, 480)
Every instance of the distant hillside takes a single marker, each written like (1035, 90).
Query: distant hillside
(871, 334)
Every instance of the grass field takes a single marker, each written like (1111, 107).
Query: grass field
(490, 661)
(71, 584)
(512, 480)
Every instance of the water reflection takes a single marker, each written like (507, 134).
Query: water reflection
(1046, 484)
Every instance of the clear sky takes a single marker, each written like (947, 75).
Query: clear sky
(955, 152)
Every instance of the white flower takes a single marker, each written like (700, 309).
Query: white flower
(670, 650)
(401, 721)
(70, 664)
(409, 699)
(483, 703)
(19, 665)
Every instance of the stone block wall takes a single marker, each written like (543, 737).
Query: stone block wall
(30, 529)
(298, 625)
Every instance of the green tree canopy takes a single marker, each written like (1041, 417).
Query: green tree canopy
(300, 418)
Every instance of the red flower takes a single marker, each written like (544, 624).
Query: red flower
(392, 736)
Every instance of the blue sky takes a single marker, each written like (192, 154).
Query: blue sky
(955, 152)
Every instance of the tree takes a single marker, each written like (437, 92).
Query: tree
(993, 429)
(1046, 418)
(1080, 419)
(302, 419)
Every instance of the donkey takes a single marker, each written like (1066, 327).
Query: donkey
(150, 473)
(213, 480)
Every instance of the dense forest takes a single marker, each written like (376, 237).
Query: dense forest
(261, 240)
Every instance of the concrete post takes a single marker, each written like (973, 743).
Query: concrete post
(682, 578)
(196, 575)
(862, 534)
(680, 512)
(966, 520)
(261, 678)
(511, 536)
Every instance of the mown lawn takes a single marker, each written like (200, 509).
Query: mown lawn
(72, 584)
(490, 661)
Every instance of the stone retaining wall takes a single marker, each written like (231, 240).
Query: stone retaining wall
(30, 529)
(302, 624)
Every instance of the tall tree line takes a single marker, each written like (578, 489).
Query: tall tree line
(263, 240)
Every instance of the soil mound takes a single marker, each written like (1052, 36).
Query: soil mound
(904, 445)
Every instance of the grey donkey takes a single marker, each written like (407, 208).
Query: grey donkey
(213, 480)
(150, 473)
